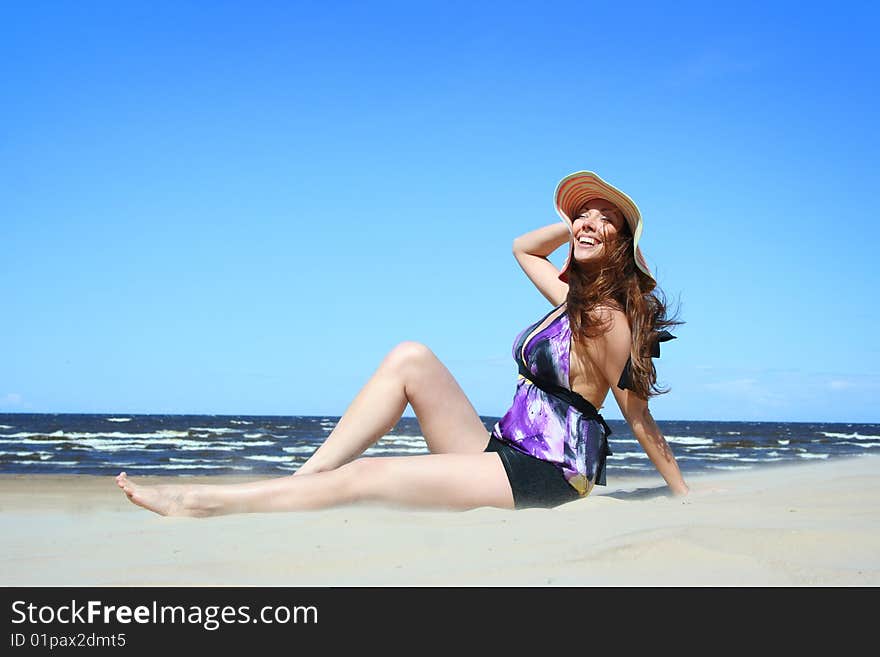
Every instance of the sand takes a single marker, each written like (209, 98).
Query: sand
(810, 524)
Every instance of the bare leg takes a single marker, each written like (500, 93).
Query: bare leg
(434, 481)
(410, 373)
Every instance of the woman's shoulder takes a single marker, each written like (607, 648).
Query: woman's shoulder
(614, 318)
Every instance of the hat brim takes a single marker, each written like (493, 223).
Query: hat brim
(575, 190)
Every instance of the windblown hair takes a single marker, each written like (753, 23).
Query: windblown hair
(615, 281)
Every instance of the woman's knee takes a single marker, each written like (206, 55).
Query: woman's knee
(360, 478)
(408, 353)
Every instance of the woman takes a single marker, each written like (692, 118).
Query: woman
(551, 445)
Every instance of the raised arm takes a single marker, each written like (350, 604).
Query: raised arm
(617, 342)
(531, 251)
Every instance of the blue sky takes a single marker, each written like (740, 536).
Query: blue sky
(240, 208)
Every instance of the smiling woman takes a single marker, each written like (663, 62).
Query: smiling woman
(610, 326)
(596, 223)
(551, 445)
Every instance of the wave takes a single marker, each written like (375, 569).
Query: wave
(216, 429)
(118, 419)
(690, 440)
(115, 440)
(103, 434)
(386, 449)
(851, 436)
(191, 467)
(271, 459)
(42, 455)
(628, 455)
(29, 462)
(404, 443)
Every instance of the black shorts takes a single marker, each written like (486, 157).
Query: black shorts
(535, 483)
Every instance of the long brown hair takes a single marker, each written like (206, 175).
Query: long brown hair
(615, 281)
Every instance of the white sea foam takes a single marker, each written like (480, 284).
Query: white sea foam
(121, 434)
(5, 426)
(117, 441)
(690, 440)
(116, 445)
(733, 433)
(118, 419)
(101, 445)
(271, 459)
(377, 449)
(852, 436)
(43, 455)
(304, 449)
(395, 440)
(709, 457)
(103, 434)
(806, 455)
(216, 429)
(628, 455)
(783, 442)
(203, 466)
(730, 467)
(405, 436)
(20, 434)
(239, 422)
(211, 448)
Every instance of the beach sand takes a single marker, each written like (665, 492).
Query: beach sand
(816, 523)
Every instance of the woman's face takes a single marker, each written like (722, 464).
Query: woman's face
(597, 224)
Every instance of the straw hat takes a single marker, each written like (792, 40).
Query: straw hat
(575, 190)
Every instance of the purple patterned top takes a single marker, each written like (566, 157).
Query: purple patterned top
(544, 426)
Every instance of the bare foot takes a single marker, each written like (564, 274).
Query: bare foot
(164, 500)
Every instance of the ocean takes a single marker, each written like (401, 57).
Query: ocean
(105, 444)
